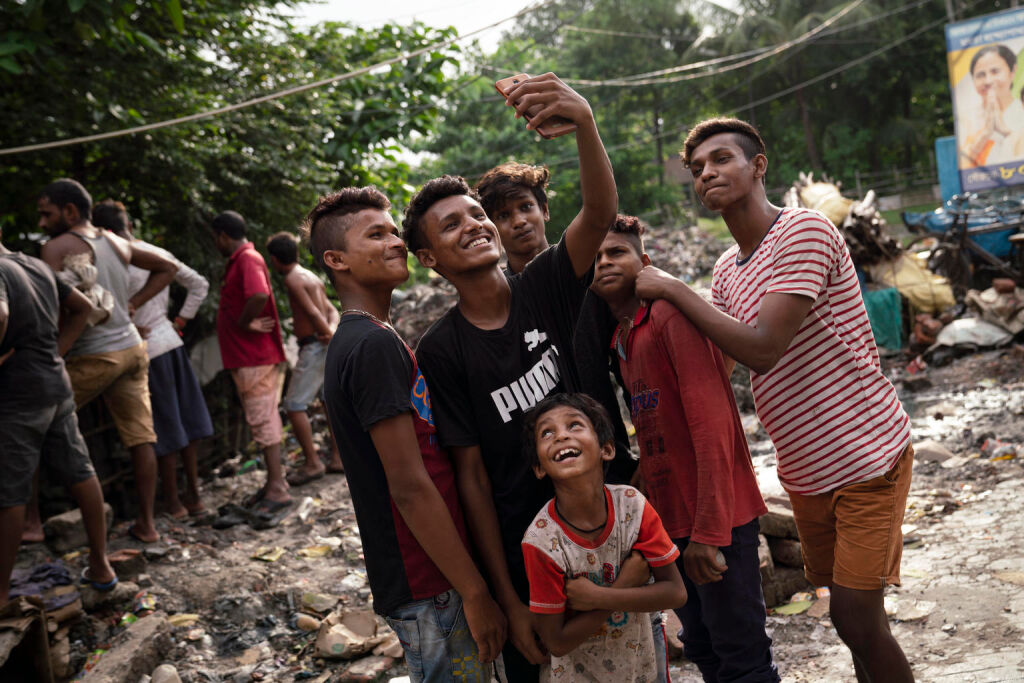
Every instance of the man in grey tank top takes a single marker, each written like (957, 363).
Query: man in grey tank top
(109, 359)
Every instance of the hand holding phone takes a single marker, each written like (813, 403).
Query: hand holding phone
(536, 100)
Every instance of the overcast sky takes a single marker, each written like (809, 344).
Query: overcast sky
(464, 15)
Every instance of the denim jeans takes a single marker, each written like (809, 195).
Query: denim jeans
(660, 646)
(437, 643)
(723, 622)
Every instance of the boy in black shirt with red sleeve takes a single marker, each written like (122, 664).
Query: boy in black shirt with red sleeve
(423, 579)
(505, 346)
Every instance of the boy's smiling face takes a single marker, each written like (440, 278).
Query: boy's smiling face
(460, 236)
(567, 445)
(520, 221)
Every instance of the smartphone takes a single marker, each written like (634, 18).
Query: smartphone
(551, 128)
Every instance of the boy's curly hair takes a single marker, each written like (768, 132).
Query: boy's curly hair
(431, 193)
(325, 225)
(593, 410)
(632, 229)
(506, 179)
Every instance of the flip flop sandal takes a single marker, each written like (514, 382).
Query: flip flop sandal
(298, 477)
(268, 514)
(96, 585)
(230, 515)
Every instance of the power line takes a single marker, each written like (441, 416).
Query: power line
(648, 78)
(268, 97)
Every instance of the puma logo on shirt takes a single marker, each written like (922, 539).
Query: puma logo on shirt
(527, 391)
(533, 338)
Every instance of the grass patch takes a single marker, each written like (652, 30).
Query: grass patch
(715, 227)
(894, 219)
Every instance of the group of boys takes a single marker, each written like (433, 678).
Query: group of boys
(505, 528)
(91, 319)
(484, 445)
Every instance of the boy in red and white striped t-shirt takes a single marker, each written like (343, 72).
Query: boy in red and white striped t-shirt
(787, 304)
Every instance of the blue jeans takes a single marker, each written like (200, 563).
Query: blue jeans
(437, 643)
(660, 646)
(723, 622)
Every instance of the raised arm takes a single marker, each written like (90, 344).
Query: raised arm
(597, 182)
(759, 348)
(425, 512)
(474, 486)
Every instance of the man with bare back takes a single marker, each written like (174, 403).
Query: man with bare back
(109, 359)
(314, 320)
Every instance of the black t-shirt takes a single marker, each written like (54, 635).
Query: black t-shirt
(596, 364)
(371, 375)
(483, 382)
(34, 376)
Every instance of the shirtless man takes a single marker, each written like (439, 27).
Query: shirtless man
(314, 319)
(109, 359)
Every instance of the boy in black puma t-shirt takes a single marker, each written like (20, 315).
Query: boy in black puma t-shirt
(505, 346)
(402, 482)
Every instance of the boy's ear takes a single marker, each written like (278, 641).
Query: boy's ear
(538, 471)
(760, 162)
(608, 450)
(645, 259)
(547, 214)
(426, 258)
(336, 260)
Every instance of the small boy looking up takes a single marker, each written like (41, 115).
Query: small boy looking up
(423, 578)
(578, 551)
(314, 320)
(786, 303)
(694, 464)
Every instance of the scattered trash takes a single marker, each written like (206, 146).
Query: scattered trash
(999, 450)
(305, 509)
(798, 607)
(315, 551)
(349, 634)
(319, 602)
(1011, 577)
(267, 554)
(305, 622)
(183, 619)
(949, 628)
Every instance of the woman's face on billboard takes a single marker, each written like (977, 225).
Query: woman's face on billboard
(991, 72)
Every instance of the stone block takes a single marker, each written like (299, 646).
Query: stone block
(165, 673)
(127, 563)
(930, 450)
(672, 629)
(784, 583)
(786, 551)
(135, 652)
(65, 532)
(121, 595)
(778, 522)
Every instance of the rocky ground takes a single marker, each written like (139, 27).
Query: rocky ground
(292, 603)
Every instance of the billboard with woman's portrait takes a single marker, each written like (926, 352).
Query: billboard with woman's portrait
(986, 75)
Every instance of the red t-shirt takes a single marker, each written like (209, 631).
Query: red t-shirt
(245, 275)
(693, 453)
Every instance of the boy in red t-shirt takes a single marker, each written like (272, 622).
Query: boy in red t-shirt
(579, 551)
(694, 465)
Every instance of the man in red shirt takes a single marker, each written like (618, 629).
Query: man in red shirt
(250, 346)
(694, 465)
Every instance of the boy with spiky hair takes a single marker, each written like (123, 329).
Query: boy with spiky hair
(506, 345)
(314, 320)
(423, 578)
(694, 465)
(786, 303)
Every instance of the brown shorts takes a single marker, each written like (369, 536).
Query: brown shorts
(122, 378)
(852, 536)
(259, 388)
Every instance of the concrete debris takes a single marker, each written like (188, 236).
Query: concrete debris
(347, 635)
(65, 532)
(165, 673)
(135, 652)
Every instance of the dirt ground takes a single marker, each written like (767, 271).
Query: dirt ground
(959, 614)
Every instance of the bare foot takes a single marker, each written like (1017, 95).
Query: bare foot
(33, 534)
(194, 505)
(143, 534)
(100, 570)
(177, 511)
(334, 465)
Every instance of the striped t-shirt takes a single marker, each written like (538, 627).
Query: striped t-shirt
(833, 416)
